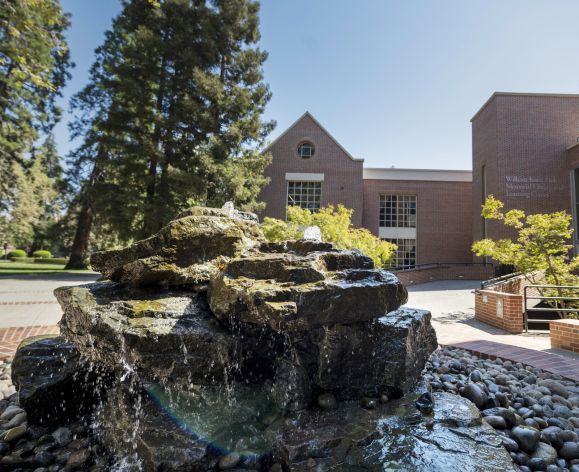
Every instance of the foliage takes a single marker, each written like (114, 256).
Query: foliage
(34, 59)
(36, 199)
(171, 115)
(16, 253)
(335, 224)
(540, 248)
(42, 254)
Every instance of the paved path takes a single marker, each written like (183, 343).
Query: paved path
(27, 300)
(451, 303)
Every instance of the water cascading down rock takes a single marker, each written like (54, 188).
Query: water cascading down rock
(229, 351)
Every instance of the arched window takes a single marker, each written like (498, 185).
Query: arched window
(306, 150)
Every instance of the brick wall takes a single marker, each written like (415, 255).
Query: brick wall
(443, 210)
(342, 174)
(564, 334)
(523, 137)
(503, 310)
(445, 272)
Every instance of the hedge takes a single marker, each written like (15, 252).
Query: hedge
(16, 253)
(42, 254)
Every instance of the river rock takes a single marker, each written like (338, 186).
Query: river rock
(475, 394)
(546, 453)
(186, 251)
(310, 286)
(526, 437)
(54, 384)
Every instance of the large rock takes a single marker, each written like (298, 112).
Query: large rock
(158, 333)
(54, 383)
(305, 285)
(386, 355)
(188, 251)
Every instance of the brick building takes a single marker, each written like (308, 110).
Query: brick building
(525, 152)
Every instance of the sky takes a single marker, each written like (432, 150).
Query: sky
(395, 82)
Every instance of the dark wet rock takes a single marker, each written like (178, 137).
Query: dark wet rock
(475, 394)
(62, 436)
(53, 383)
(291, 292)
(366, 359)
(327, 401)
(526, 437)
(349, 436)
(569, 450)
(509, 444)
(158, 333)
(546, 453)
(497, 422)
(555, 387)
(188, 251)
(78, 458)
(229, 461)
(425, 403)
(369, 403)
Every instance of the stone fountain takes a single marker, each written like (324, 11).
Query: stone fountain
(204, 347)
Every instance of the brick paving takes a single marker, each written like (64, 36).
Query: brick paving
(10, 338)
(554, 363)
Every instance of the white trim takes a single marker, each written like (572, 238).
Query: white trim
(396, 233)
(307, 113)
(436, 175)
(304, 177)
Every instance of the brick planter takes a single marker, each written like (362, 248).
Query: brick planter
(565, 334)
(503, 310)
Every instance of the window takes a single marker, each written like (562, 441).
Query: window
(398, 211)
(405, 254)
(306, 150)
(304, 194)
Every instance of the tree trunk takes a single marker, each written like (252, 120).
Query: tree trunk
(77, 259)
(151, 218)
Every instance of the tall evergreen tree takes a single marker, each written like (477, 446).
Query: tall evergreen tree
(34, 59)
(172, 115)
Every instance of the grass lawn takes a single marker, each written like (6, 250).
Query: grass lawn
(20, 268)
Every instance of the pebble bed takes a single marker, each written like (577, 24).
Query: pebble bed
(536, 412)
(26, 447)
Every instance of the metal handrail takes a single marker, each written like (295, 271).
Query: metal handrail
(556, 298)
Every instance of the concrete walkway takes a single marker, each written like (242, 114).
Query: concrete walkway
(27, 300)
(451, 303)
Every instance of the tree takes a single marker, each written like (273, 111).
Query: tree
(540, 248)
(34, 59)
(35, 203)
(335, 223)
(172, 115)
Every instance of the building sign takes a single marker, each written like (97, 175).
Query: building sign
(532, 187)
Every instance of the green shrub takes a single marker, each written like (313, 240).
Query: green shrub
(23, 259)
(54, 260)
(16, 253)
(42, 254)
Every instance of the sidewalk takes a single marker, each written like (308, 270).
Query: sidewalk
(28, 300)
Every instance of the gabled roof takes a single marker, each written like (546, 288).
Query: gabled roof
(309, 115)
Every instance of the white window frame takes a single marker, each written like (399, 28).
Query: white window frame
(312, 183)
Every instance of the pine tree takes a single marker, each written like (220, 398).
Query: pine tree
(172, 114)
(34, 59)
